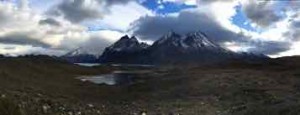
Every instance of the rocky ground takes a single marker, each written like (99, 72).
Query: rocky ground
(44, 86)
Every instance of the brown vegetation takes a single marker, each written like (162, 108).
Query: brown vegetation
(45, 86)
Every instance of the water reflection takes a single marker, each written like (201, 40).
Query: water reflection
(115, 78)
(88, 64)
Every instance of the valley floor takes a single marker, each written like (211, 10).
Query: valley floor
(47, 87)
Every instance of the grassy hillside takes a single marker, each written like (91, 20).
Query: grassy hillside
(42, 85)
(32, 79)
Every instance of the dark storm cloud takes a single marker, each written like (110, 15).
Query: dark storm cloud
(49, 21)
(22, 39)
(153, 27)
(296, 35)
(260, 13)
(75, 11)
(269, 47)
(294, 31)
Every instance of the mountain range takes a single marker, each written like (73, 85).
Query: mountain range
(172, 48)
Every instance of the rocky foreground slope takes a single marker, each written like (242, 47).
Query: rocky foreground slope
(44, 86)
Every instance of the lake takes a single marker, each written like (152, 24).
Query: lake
(115, 78)
(88, 64)
(114, 65)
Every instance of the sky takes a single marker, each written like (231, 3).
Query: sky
(55, 27)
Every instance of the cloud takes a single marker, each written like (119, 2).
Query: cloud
(67, 26)
(24, 4)
(261, 13)
(186, 2)
(121, 16)
(269, 47)
(114, 2)
(22, 39)
(30, 32)
(16, 50)
(91, 42)
(13, 17)
(196, 2)
(153, 27)
(209, 18)
(95, 45)
(49, 21)
(17, 25)
(99, 40)
(295, 30)
(294, 50)
(77, 10)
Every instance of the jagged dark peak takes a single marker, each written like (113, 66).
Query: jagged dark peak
(125, 37)
(134, 38)
(127, 43)
(144, 45)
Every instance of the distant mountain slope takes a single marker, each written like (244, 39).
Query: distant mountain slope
(172, 48)
(79, 56)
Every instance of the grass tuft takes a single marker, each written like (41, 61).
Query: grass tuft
(9, 107)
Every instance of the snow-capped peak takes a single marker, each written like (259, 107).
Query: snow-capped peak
(170, 37)
(195, 40)
(76, 52)
(198, 40)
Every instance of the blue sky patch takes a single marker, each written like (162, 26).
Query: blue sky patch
(241, 20)
(165, 7)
